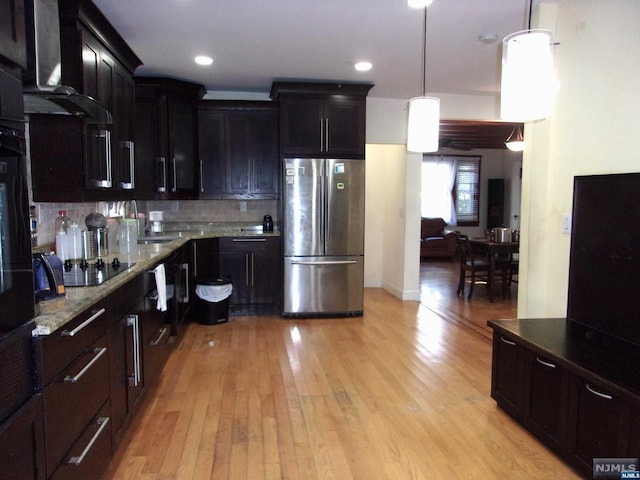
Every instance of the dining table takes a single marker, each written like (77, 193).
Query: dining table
(495, 252)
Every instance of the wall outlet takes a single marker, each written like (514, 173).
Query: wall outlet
(566, 223)
(243, 206)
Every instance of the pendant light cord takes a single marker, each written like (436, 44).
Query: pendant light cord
(530, 10)
(424, 55)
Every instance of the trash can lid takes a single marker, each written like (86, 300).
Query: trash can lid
(213, 281)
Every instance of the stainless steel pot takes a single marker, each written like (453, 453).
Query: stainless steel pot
(502, 235)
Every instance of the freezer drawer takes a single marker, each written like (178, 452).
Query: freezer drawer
(323, 286)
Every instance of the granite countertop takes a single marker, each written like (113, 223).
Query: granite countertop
(55, 313)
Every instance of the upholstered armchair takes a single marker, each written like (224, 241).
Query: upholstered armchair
(435, 240)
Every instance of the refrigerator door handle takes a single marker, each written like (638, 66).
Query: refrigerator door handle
(324, 262)
(323, 211)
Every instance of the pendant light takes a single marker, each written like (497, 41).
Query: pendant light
(528, 82)
(424, 112)
(515, 141)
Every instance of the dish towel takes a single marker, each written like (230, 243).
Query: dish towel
(161, 286)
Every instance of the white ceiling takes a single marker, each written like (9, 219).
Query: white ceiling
(254, 42)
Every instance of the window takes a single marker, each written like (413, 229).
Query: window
(451, 188)
(466, 191)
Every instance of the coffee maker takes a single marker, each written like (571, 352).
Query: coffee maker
(156, 222)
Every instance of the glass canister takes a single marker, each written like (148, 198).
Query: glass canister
(128, 235)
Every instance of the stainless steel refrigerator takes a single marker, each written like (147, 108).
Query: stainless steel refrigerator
(323, 236)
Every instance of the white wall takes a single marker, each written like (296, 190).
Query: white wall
(591, 130)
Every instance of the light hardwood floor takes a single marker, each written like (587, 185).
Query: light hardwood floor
(402, 392)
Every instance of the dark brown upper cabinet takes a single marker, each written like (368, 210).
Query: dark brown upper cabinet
(12, 34)
(238, 149)
(96, 62)
(167, 137)
(321, 119)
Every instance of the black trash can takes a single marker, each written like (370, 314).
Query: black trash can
(212, 300)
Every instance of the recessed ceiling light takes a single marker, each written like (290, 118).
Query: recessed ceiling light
(363, 66)
(419, 3)
(203, 60)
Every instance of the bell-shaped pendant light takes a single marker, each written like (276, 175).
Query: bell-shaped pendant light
(515, 141)
(424, 112)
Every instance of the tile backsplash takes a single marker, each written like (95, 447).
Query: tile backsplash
(246, 211)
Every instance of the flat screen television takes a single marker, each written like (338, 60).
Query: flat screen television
(604, 270)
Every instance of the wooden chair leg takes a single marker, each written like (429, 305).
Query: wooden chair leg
(473, 282)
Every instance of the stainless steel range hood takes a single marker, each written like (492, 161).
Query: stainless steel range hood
(43, 92)
(66, 101)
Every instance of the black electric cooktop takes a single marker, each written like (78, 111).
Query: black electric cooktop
(86, 274)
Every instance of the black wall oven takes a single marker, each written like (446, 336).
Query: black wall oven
(16, 271)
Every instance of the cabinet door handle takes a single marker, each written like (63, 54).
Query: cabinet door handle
(597, 393)
(102, 422)
(246, 269)
(131, 184)
(71, 333)
(194, 251)
(546, 364)
(508, 342)
(161, 333)
(99, 352)
(321, 134)
(185, 296)
(108, 159)
(163, 172)
(174, 187)
(133, 321)
(326, 134)
(201, 183)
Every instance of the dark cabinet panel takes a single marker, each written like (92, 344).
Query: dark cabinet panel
(96, 62)
(204, 255)
(321, 119)
(126, 308)
(238, 146)
(254, 265)
(547, 402)
(600, 423)
(167, 135)
(22, 440)
(508, 378)
(12, 32)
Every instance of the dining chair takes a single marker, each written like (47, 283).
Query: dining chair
(510, 273)
(472, 266)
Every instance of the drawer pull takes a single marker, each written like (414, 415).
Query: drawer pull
(249, 240)
(597, 393)
(102, 422)
(161, 333)
(71, 333)
(508, 342)
(99, 352)
(546, 364)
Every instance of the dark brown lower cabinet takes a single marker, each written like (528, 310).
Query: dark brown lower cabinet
(254, 265)
(547, 394)
(508, 374)
(580, 398)
(601, 423)
(22, 440)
